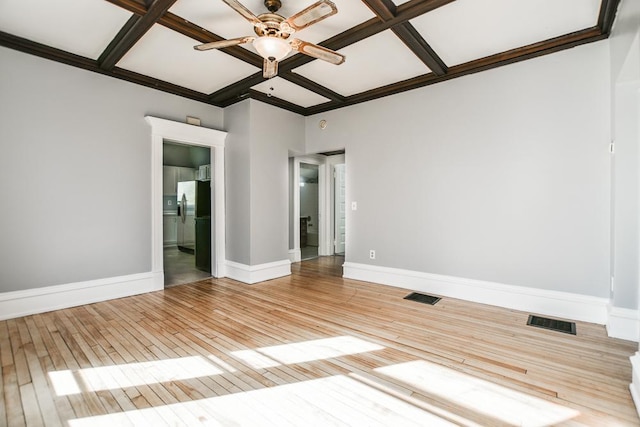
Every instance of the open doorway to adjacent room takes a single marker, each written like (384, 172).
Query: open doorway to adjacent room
(309, 211)
(317, 210)
(186, 177)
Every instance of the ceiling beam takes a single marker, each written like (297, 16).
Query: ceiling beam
(373, 26)
(127, 39)
(236, 91)
(189, 29)
(203, 35)
(53, 54)
(384, 9)
(608, 10)
(414, 41)
(277, 102)
(404, 12)
(509, 57)
(311, 85)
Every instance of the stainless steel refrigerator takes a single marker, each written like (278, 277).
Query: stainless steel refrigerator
(194, 221)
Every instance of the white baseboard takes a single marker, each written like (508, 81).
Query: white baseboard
(634, 387)
(40, 300)
(257, 273)
(295, 255)
(550, 303)
(623, 323)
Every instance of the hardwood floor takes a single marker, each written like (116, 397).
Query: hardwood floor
(309, 349)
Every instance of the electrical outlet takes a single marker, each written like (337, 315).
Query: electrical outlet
(372, 254)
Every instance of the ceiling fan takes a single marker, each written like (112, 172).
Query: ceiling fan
(273, 32)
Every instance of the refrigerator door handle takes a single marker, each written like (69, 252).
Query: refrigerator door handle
(183, 211)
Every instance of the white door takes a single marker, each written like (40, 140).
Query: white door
(340, 208)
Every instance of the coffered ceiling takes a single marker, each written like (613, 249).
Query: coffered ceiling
(390, 46)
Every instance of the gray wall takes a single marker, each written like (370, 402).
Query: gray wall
(274, 133)
(75, 171)
(625, 84)
(500, 176)
(258, 144)
(238, 182)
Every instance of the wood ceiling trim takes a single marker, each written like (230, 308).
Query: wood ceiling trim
(126, 40)
(237, 91)
(311, 85)
(47, 52)
(277, 102)
(360, 32)
(57, 55)
(191, 30)
(132, 6)
(386, 11)
(509, 57)
(607, 15)
(369, 28)
(141, 79)
(414, 41)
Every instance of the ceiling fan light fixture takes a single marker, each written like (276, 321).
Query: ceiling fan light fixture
(272, 47)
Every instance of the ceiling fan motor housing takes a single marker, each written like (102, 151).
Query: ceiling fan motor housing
(270, 26)
(272, 5)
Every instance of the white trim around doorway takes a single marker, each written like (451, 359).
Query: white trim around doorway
(168, 130)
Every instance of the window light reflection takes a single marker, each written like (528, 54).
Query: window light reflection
(131, 375)
(325, 348)
(337, 400)
(504, 404)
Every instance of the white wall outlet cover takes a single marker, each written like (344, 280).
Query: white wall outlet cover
(354, 206)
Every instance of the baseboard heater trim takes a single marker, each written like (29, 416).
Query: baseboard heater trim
(552, 324)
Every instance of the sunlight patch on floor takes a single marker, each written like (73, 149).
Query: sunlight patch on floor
(503, 404)
(337, 400)
(131, 374)
(307, 351)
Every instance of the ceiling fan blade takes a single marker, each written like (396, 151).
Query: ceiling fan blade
(309, 16)
(242, 10)
(224, 43)
(317, 51)
(270, 68)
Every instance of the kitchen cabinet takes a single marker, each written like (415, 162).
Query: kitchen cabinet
(170, 229)
(171, 175)
(204, 173)
(187, 234)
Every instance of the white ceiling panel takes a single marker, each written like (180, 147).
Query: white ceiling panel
(284, 89)
(376, 61)
(82, 27)
(466, 30)
(220, 19)
(169, 56)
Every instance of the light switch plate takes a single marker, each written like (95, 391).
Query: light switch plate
(354, 206)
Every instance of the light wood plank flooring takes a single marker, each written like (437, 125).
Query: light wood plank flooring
(309, 349)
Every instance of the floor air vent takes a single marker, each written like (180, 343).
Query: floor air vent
(425, 299)
(553, 324)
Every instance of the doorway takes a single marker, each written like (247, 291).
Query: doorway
(329, 171)
(309, 211)
(186, 211)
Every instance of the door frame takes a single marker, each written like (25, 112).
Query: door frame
(323, 228)
(161, 130)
